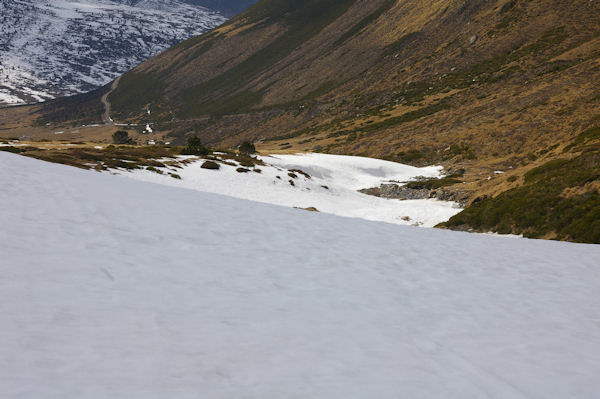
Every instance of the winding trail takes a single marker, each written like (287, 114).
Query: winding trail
(106, 115)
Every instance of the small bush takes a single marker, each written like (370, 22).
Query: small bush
(195, 147)
(512, 179)
(121, 137)
(12, 149)
(247, 148)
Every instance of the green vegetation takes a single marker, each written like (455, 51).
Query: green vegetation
(411, 156)
(125, 157)
(583, 138)
(557, 200)
(432, 184)
(195, 147)
(14, 150)
(121, 137)
(79, 109)
(134, 91)
(304, 19)
(247, 148)
(405, 118)
(366, 21)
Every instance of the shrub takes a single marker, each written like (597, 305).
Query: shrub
(247, 148)
(12, 149)
(195, 147)
(246, 161)
(540, 208)
(121, 137)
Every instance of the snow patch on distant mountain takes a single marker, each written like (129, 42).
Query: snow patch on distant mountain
(63, 47)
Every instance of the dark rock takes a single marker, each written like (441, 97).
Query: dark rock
(395, 191)
(211, 165)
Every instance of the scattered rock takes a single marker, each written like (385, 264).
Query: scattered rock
(309, 209)
(242, 170)
(293, 175)
(211, 165)
(300, 172)
(395, 191)
(473, 39)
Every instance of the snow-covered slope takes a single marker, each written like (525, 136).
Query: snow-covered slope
(59, 47)
(116, 288)
(330, 185)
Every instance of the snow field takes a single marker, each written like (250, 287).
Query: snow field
(331, 188)
(117, 288)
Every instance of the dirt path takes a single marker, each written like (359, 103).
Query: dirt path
(106, 115)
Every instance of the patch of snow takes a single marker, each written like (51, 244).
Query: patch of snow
(117, 288)
(332, 187)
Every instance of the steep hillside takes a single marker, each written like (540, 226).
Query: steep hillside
(382, 77)
(492, 88)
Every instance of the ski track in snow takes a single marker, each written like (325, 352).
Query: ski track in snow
(116, 288)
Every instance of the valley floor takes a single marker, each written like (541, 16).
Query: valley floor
(116, 288)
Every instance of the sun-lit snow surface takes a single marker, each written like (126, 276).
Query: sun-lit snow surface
(331, 188)
(60, 47)
(123, 289)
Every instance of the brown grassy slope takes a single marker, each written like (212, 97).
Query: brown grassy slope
(527, 81)
(382, 78)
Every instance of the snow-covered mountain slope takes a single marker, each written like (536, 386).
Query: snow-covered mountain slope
(59, 47)
(116, 288)
(330, 184)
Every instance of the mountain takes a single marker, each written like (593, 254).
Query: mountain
(386, 77)
(502, 93)
(118, 288)
(57, 48)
